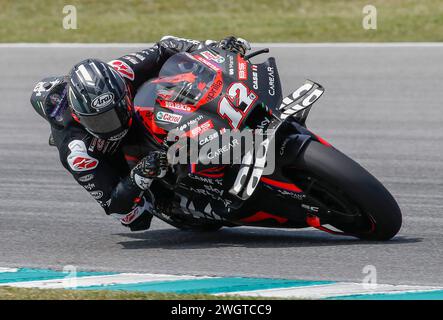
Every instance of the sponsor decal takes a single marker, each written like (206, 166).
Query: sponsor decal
(86, 178)
(93, 144)
(123, 69)
(89, 186)
(210, 137)
(177, 106)
(207, 63)
(231, 65)
(215, 89)
(118, 136)
(208, 193)
(103, 100)
(96, 194)
(271, 80)
(44, 86)
(223, 149)
(294, 195)
(264, 124)
(242, 69)
(283, 146)
(205, 126)
(168, 117)
(78, 159)
(191, 122)
(214, 190)
(138, 56)
(105, 204)
(104, 146)
(306, 95)
(205, 179)
(254, 77)
(212, 56)
(100, 144)
(131, 59)
(81, 162)
(142, 182)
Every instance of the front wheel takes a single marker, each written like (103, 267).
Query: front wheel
(347, 189)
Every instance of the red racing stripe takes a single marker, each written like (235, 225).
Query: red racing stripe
(281, 185)
(261, 215)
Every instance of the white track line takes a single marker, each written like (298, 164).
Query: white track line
(333, 290)
(270, 45)
(8, 270)
(88, 281)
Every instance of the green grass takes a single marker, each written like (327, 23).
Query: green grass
(255, 20)
(10, 293)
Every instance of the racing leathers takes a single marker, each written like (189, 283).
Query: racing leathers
(103, 167)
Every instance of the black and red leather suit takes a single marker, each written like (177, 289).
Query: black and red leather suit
(102, 167)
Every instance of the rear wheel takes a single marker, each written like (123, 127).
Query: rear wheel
(363, 207)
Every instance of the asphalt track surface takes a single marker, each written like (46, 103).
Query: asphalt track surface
(382, 107)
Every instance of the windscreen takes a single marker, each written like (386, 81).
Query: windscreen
(183, 79)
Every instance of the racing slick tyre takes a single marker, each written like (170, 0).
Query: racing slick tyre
(344, 186)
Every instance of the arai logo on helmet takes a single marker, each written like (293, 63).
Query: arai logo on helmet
(103, 100)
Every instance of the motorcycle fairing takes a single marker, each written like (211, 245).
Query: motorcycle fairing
(261, 80)
(298, 103)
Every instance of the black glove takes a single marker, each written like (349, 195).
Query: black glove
(154, 165)
(236, 45)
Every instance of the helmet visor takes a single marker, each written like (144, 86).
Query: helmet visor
(109, 121)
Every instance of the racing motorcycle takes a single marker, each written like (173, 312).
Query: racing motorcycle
(207, 93)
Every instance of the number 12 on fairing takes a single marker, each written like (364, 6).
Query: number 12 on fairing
(236, 104)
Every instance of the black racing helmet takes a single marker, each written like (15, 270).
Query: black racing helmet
(99, 99)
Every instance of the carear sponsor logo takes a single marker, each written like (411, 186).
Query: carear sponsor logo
(271, 81)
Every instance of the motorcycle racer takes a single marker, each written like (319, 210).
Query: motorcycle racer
(92, 125)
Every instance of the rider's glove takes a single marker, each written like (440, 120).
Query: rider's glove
(154, 165)
(236, 45)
